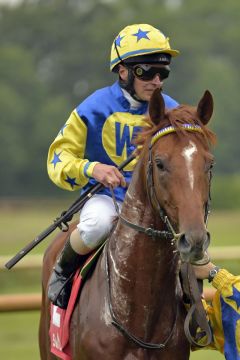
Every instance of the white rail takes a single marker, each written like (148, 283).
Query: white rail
(217, 253)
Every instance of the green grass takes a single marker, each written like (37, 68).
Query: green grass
(20, 223)
(224, 227)
(206, 355)
(18, 336)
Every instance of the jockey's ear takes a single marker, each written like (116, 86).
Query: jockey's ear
(156, 107)
(205, 107)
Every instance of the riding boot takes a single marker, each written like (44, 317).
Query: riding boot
(60, 282)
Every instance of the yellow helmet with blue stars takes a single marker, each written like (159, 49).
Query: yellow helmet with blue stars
(136, 41)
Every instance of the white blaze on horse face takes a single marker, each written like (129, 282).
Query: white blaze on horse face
(187, 153)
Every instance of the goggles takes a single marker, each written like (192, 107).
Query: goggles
(147, 72)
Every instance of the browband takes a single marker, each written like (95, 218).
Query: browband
(171, 129)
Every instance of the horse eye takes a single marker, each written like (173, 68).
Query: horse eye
(160, 164)
(210, 166)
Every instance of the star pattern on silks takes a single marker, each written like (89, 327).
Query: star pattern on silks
(56, 159)
(71, 181)
(235, 297)
(62, 129)
(141, 35)
(118, 40)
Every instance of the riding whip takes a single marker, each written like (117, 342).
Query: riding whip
(66, 216)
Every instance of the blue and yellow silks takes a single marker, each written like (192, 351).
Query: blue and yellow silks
(100, 129)
(224, 315)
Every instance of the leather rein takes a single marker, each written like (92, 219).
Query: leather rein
(196, 316)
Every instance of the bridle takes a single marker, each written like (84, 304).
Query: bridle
(167, 234)
(150, 182)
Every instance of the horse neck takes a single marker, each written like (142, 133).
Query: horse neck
(143, 269)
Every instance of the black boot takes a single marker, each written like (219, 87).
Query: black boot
(60, 282)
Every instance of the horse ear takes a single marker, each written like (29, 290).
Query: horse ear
(205, 107)
(156, 107)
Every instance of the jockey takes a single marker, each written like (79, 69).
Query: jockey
(97, 137)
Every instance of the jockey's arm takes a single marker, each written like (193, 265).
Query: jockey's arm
(66, 164)
(224, 311)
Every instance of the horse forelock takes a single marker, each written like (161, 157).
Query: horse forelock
(183, 114)
(186, 114)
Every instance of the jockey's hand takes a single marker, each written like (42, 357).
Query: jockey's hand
(108, 175)
(202, 272)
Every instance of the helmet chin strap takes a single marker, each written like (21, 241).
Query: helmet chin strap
(128, 85)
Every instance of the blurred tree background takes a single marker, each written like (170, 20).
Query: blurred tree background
(54, 53)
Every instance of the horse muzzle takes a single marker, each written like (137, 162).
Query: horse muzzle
(192, 246)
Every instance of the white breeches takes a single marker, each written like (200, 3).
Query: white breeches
(96, 219)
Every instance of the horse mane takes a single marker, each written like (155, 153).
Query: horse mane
(183, 114)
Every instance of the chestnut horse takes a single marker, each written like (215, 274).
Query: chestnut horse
(131, 306)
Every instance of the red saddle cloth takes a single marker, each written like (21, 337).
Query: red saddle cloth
(60, 322)
(60, 318)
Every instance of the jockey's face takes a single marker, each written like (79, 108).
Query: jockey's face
(143, 88)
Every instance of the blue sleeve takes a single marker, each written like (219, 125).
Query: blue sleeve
(170, 103)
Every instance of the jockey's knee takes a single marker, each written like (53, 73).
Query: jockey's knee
(90, 233)
(77, 243)
(93, 231)
(96, 219)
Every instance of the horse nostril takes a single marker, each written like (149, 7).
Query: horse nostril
(207, 241)
(193, 245)
(184, 245)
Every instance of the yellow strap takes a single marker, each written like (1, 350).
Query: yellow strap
(171, 129)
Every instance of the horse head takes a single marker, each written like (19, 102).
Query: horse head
(179, 171)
